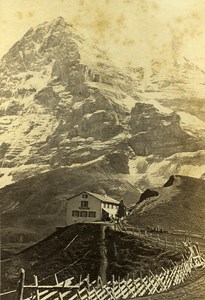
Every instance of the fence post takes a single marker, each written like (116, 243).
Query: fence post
(127, 278)
(99, 282)
(36, 285)
(57, 282)
(175, 244)
(80, 281)
(158, 240)
(133, 280)
(88, 282)
(138, 229)
(118, 279)
(20, 285)
(141, 277)
(165, 243)
(113, 286)
(113, 281)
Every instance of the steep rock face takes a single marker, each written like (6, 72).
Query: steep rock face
(157, 132)
(70, 120)
(95, 116)
(149, 171)
(63, 103)
(47, 100)
(99, 124)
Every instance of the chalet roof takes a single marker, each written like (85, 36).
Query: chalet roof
(102, 198)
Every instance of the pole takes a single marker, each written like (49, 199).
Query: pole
(20, 285)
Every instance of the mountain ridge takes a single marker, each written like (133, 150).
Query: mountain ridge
(179, 204)
(65, 107)
(55, 98)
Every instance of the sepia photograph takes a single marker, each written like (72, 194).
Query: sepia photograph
(102, 149)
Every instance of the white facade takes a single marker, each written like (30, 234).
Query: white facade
(90, 207)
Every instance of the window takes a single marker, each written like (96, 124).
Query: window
(83, 214)
(75, 213)
(84, 196)
(84, 203)
(92, 214)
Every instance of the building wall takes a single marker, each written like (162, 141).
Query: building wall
(74, 204)
(111, 208)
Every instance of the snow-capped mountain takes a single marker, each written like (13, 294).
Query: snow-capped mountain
(63, 103)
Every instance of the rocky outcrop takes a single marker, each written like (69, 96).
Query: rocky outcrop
(157, 132)
(47, 100)
(170, 181)
(47, 97)
(118, 162)
(64, 103)
(148, 194)
(100, 125)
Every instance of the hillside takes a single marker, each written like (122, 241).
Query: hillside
(71, 120)
(179, 204)
(86, 249)
(38, 204)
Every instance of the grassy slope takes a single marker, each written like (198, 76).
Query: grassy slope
(54, 253)
(39, 203)
(179, 206)
(123, 254)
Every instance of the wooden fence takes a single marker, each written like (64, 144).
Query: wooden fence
(135, 287)
(117, 288)
(167, 240)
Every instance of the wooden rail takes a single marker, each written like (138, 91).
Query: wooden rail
(129, 287)
(168, 240)
(124, 288)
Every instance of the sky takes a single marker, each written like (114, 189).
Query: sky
(132, 32)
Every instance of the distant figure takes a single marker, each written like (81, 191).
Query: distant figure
(122, 211)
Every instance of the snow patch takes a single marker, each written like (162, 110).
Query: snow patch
(165, 123)
(38, 81)
(191, 123)
(7, 178)
(90, 162)
(133, 164)
(128, 102)
(192, 170)
(120, 97)
(58, 88)
(77, 105)
(162, 109)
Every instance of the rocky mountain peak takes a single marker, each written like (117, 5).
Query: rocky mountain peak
(63, 103)
(40, 45)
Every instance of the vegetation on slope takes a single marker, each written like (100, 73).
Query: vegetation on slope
(39, 203)
(179, 205)
(86, 249)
